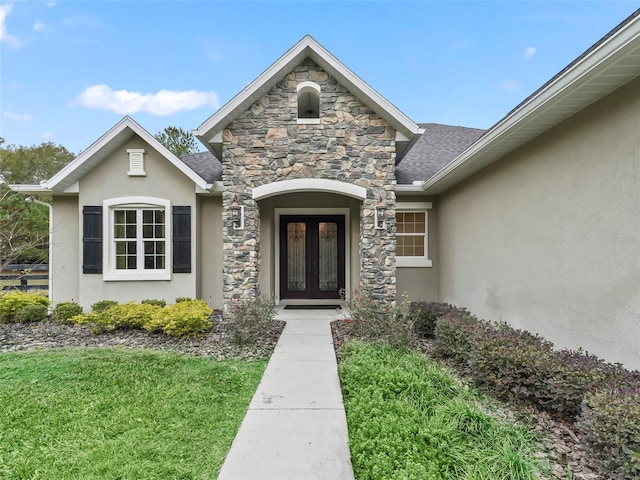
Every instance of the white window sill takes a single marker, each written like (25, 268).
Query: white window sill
(308, 121)
(137, 173)
(413, 262)
(134, 276)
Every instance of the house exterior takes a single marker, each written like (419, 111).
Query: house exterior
(313, 184)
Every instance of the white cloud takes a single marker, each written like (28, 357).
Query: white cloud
(19, 117)
(39, 26)
(529, 52)
(12, 40)
(510, 85)
(164, 102)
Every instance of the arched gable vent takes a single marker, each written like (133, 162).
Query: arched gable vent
(308, 100)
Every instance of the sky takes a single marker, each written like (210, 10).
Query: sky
(70, 70)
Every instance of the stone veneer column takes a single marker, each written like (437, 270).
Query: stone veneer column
(351, 144)
(377, 246)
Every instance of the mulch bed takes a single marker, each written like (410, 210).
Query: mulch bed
(560, 445)
(213, 343)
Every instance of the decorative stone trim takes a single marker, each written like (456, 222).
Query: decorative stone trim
(266, 152)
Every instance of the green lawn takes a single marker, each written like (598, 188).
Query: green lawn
(409, 419)
(119, 414)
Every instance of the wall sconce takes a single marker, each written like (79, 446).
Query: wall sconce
(379, 215)
(237, 214)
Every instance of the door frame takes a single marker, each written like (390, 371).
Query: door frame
(312, 211)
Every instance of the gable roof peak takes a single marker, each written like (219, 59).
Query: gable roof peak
(107, 144)
(209, 132)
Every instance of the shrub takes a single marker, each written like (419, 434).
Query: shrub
(183, 319)
(247, 321)
(374, 320)
(608, 427)
(127, 315)
(513, 364)
(454, 335)
(35, 312)
(103, 305)
(65, 310)
(183, 299)
(425, 314)
(11, 303)
(156, 302)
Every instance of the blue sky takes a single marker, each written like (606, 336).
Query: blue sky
(70, 70)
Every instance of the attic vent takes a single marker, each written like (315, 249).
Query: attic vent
(136, 162)
(308, 102)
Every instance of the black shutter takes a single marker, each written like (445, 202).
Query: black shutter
(182, 239)
(92, 239)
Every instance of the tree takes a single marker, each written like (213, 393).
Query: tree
(19, 164)
(24, 226)
(178, 141)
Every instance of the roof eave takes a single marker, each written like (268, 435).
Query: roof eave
(588, 80)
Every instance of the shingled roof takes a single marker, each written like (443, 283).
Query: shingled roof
(204, 164)
(438, 145)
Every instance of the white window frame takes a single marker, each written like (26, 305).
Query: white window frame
(109, 206)
(417, 261)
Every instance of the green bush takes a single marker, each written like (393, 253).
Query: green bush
(65, 310)
(124, 316)
(11, 303)
(103, 305)
(455, 333)
(374, 320)
(425, 314)
(609, 427)
(156, 302)
(32, 313)
(183, 299)
(183, 319)
(248, 321)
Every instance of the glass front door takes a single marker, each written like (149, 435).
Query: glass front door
(312, 256)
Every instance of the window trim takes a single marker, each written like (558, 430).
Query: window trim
(312, 88)
(416, 261)
(108, 251)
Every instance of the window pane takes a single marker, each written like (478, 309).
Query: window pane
(148, 248)
(159, 231)
(119, 216)
(119, 231)
(160, 262)
(159, 216)
(131, 231)
(147, 231)
(160, 247)
(131, 263)
(131, 216)
(147, 216)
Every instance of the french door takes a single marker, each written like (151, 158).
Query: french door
(312, 256)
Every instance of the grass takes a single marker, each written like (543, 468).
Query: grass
(409, 419)
(119, 414)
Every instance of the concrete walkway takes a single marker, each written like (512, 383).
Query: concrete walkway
(295, 428)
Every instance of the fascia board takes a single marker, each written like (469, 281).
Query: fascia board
(70, 174)
(594, 64)
(307, 47)
(32, 189)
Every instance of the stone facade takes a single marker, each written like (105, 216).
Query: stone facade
(350, 144)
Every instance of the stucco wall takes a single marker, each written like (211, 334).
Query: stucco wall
(548, 238)
(65, 250)
(109, 179)
(421, 283)
(210, 255)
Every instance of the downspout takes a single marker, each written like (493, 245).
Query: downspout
(50, 280)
